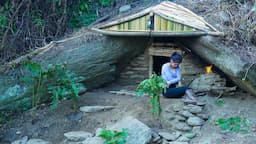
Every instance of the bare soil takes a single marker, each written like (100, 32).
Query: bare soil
(50, 124)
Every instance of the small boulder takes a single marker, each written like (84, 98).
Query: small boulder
(186, 113)
(21, 141)
(195, 121)
(170, 136)
(93, 140)
(190, 135)
(182, 126)
(138, 132)
(91, 109)
(38, 141)
(196, 129)
(193, 108)
(183, 139)
(77, 135)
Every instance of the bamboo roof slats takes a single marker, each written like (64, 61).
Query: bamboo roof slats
(170, 19)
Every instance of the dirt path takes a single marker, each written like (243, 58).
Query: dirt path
(50, 125)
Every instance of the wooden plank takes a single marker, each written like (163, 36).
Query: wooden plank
(163, 52)
(146, 22)
(150, 66)
(157, 23)
(168, 28)
(164, 44)
(126, 26)
(143, 21)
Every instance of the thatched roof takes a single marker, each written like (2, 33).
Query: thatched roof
(168, 12)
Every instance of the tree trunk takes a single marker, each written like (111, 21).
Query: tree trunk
(95, 57)
(241, 72)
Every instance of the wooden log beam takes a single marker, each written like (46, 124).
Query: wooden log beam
(97, 58)
(241, 72)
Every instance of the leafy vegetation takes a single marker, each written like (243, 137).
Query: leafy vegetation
(4, 117)
(27, 25)
(55, 81)
(234, 124)
(219, 102)
(114, 137)
(153, 87)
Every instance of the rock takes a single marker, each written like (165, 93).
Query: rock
(196, 129)
(93, 140)
(195, 121)
(177, 108)
(169, 116)
(164, 141)
(193, 108)
(180, 118)
(190, 135)
(203, 116)
(124, 8)
(98, 130)
(38, 141)
(225, 18)
(186, 113)
(138, 132)
(77, 135)
(91, 109)
(182, 126)
(178, 142)
(170, 136)
(18, 132)
(76, 116)
(155, 138)
(183, 139)
(21, 141)
(124, 92)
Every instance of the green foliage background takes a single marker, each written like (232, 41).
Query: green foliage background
(26, 24)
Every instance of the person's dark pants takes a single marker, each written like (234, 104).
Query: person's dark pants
(175, 92)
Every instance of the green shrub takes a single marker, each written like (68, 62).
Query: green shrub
(56, 80)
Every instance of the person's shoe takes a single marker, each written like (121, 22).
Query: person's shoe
(190, 94)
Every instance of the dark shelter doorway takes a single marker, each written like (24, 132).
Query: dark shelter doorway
(158, 61)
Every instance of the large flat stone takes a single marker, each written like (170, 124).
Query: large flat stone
(77, 135)
(91, 109)
(138, 132)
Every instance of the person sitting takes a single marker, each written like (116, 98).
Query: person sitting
(171, 73)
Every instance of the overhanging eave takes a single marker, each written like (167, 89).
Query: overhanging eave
(156, 33)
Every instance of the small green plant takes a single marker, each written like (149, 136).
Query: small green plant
(36, 80)
(114, 137)
(153, 87)
(56, 80)
(234, 124)
(219, 102)
(106, 2)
